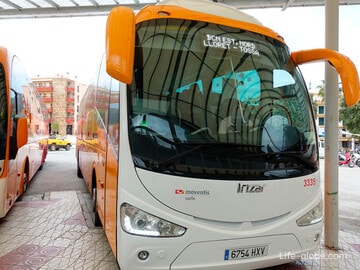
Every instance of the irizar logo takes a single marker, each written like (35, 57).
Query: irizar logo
(248, 188)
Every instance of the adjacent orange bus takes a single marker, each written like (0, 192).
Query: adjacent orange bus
(200, 148)
(23, 130)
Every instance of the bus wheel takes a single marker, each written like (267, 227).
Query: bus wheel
(25, 181)
(78, 171)
(97, 221)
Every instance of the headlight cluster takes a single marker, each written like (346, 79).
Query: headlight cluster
(315, 215)
(138, 222)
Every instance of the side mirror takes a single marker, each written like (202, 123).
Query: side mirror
(343, 65)
(120, 44)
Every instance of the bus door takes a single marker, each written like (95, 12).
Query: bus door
(14, 188)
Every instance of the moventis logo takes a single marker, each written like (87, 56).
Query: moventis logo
(192, 192)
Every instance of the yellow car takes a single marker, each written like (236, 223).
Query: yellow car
(55, 142)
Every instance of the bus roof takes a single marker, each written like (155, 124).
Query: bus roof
(212, 8)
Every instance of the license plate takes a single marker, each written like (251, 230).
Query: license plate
(245, 253)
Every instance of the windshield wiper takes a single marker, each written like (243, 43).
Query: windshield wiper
(161, 165)
(294, 155)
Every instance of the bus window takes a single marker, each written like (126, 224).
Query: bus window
(13, 109)
(20, 83)
(114, 112)
(3, 118)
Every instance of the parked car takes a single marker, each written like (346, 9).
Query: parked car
(55, 142)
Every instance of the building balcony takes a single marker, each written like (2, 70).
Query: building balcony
(49, 109)
(45, 89)
(70, 89)
(101, 106)
(70, 99)
(47, 99)
(70, 109)
(70, 120)
(104, 98)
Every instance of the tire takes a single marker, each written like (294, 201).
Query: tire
(358, 162)
(67, 147)
(351, 164)
(25, 182)
(97, 221)
(78, 172)
(52, 147)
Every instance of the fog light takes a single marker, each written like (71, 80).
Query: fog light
(143, 255)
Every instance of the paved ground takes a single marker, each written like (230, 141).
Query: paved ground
(51, 228)
(52, 231)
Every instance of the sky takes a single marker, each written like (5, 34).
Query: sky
(72, 47)
(68, 47)
(304, 28)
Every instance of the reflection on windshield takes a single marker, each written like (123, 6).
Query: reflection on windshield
(247, 84)
(228, 112)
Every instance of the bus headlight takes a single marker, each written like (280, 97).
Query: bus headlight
(315, 215)
(138, 222)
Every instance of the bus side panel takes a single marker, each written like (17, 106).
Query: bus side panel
(99, 166)
(111, 193)
(91, 162)
(37, 153)
(10, 187)
(36, 114)
(3, 182)
(35, 158)
(86, 161)
(14, 181)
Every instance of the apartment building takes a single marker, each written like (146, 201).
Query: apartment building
(346, 140)
(62, 97)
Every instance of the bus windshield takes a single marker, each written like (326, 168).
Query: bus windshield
(216, 102)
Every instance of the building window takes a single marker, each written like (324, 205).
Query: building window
(321, 109)
(321, 121)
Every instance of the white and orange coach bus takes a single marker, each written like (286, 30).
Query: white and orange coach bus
(23, 130)
(200, 148)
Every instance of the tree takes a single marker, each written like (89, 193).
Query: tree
(55, 127)
(350, 117)
(321, 94)
(321, 90)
